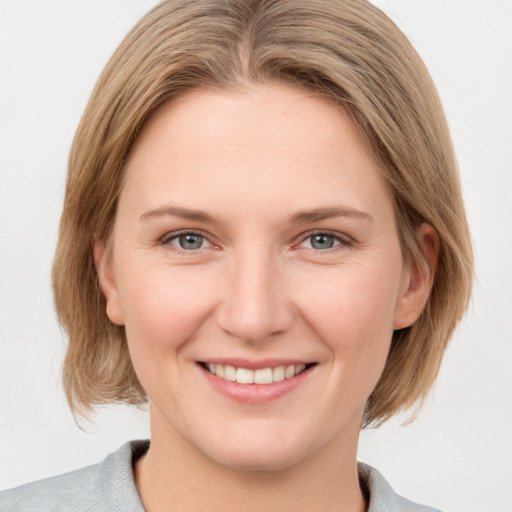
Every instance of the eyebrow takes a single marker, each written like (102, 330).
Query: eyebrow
(328, 213)
(306, 216)
(184, 213)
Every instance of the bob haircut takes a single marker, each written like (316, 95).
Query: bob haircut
(345, 50)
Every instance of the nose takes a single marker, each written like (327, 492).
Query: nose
(255, 307)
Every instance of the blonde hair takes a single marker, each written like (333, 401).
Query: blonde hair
(347, 50)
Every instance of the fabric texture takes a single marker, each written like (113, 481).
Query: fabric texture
(110, 487)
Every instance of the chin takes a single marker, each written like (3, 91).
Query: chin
(262, 461)
(252, 453)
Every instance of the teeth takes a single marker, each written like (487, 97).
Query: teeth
(244, 376)
(289, 372)
(230, 373)
(219, 370)
(278, 373)
(261, 376)
(299, 368)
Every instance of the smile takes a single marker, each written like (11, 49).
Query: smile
(267, 375)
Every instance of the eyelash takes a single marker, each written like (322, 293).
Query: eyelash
(342, 240)
(166, 240)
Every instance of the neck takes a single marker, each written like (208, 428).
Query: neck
(174, 475)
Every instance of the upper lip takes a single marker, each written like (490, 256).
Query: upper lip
(253, 364)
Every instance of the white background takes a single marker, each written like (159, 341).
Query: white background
(458, 455)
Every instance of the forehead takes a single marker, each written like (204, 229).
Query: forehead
(271, 141)
(269, 115)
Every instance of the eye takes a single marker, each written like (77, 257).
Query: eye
(323, 241)
(188, 241)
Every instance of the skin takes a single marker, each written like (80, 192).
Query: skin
(255, 289)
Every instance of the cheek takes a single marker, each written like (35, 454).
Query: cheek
(352, 314)
(164, 306)
(352, 310)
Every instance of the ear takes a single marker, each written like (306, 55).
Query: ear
(103, 263)
(417, 280)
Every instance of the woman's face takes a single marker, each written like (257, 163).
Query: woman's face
(255, 239)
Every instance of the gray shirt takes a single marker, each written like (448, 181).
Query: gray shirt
(109, 486)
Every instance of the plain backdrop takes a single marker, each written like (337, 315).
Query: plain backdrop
(458, 455)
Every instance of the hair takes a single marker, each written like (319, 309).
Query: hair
(346, 50)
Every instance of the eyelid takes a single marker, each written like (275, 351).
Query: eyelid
(342, 238)
(171, 235)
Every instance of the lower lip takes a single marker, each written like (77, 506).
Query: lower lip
(255, 393)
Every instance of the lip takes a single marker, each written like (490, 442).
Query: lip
(255, 393)
(256, 365)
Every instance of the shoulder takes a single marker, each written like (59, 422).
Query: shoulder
(381, 496)
(61, 492)
(108, 485)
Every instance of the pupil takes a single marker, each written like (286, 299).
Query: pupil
(190, 241)
(322, 241)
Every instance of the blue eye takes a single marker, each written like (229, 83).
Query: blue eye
(321, 241)
(188, 241)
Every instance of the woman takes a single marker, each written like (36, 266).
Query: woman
(261, 234)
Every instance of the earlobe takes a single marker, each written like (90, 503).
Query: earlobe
(418, 280)
(103, 263)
